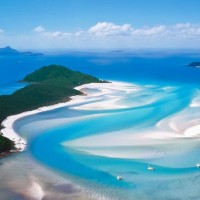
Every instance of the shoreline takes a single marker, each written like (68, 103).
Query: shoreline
(20, 143)
(100, 89)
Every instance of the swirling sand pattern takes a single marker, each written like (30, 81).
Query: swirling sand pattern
(120, 129)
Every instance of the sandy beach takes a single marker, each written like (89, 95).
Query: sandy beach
(102, 88)
(94, 100)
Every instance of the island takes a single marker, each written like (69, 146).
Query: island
(48, 85)
(194, 64)
(8, 51)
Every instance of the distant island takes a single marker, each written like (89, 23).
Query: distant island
(48, 85)
(194, 64)
(8, 51)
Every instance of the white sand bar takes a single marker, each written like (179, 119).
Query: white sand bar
(102, 88)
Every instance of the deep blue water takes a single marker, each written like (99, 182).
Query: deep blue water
(132, 66)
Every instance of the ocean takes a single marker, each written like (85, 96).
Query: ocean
(163, 66)
(78, 151)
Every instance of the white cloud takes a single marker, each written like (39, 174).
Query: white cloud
(183, 25)
(187, 29)
(57, 34)
(51, 35)
(107, 34)
(103, 30)
(125, 35)
(39, 29)
(178, 30)
(110, 35)
(150, 31)
(110, 29)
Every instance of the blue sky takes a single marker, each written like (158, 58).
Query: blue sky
(100, 23)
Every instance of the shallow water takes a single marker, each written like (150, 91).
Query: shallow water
(96, 145)
(120, 130)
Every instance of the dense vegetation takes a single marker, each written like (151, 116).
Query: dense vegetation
(49, 85)
(5, 144)
(72, 78)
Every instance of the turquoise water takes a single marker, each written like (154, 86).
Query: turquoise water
(53, 145)
(91, 144)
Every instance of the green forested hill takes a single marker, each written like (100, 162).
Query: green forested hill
(60, 73)
(48, 85)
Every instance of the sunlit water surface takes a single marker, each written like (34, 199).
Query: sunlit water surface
(77, 151)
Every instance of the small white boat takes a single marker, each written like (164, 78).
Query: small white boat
(198, 165)
(151, 168)
(119, 178)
